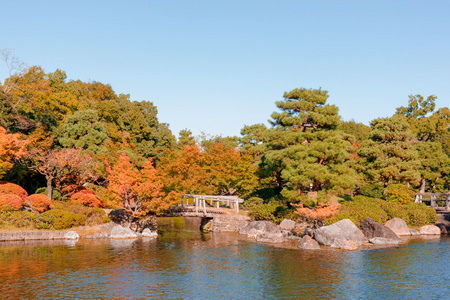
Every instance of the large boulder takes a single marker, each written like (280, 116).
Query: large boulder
(127, 219)
(71, 235)
(256, 228)
(443, 222)
(270, 238)
(398, 226)
(119, 232)
(344, 230)
(372, 229)
(430, 229)
(308, 243)
(345, 244)
(287, 225)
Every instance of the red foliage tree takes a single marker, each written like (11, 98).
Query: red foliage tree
(11, 148)
(13, 189)
(61, 166)
(38, 203)
(10, 202)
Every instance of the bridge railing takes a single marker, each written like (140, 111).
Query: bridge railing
(200, 201)
(434, 198)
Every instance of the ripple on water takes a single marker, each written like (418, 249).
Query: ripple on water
(193, 265)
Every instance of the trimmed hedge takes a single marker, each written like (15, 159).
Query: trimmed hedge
(414, 214)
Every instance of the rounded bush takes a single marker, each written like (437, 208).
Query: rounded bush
(13, 189)
(87, 199)
(10, 202)
(38, 203)
(63, 219)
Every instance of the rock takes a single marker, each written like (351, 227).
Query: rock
(372, 229)
(256, 228)
(228, 223)
(345, 244)
(398, 226)
(414, 232)
(119, 232)
(148, 233)
(310, 232)
(384, 241)
(71, 235)
(308, 243)
(287, 225)
(270, 238)
(127, 219)
(430, 229)
(443, 222)
(344, 230)
(299, 228)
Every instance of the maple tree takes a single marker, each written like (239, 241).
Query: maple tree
(60, 166)
(12, 147)
(139, 189)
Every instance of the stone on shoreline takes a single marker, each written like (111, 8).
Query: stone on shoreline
(148, 233)
(71, 235)
(398, 226)
(384, 241)
(335, 234)
(345, 244)
(430, 230)
(119, 232)
(308, 243)
(287, 225)
(373, 229)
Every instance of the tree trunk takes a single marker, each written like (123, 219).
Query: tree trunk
(49, 188)
(422, 186)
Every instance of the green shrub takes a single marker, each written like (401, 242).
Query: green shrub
(266, 212)
(93, 216)
(399, 193)
(251, 202)
(414, 214)
(16, 219)
(56, 195)
(63, 219)
(372, 190)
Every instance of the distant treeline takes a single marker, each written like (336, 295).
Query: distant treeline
(58, 133)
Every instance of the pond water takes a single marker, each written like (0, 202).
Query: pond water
(185, 263)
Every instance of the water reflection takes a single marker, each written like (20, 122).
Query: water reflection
(185, 263)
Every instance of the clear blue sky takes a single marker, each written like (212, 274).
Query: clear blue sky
(214, 66)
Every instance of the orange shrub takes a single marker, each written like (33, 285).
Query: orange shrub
(10, 202)
(38, 203)
(319, 212)
(87, 198)
(75, 188)
(13, 189)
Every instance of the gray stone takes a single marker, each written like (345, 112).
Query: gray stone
(255, 228)
(372, 229)
(228, 223)
(384, 241)
(148, 233)
(344, 230)
(414, 232)
(119, 232)
(71, 235)
(345, 244)
(270, 238)
(398, 226)
(287, 225)
(443, 222)
(308, 243)
(430, 230)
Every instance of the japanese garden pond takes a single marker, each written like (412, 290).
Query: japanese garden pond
(185, 263)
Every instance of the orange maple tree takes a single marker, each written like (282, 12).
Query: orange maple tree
(139, 189)
(11, 148)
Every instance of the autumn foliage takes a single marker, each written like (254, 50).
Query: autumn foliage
(38, 203)
(11, 147)
(87, 198)
(13, 189)
(320, 213)
(10, 202)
